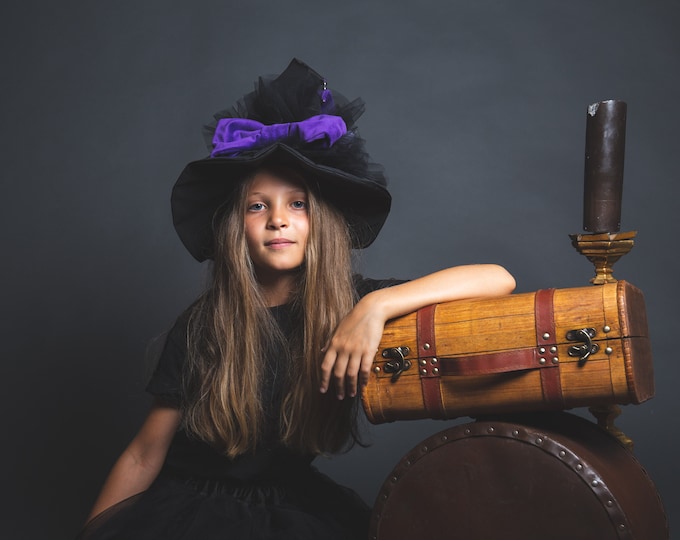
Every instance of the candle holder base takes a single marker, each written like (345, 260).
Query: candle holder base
(603, 250)
(605, 415)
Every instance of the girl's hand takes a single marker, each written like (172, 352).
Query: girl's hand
(350, 352)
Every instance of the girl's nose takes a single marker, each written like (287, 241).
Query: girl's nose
(278, 218)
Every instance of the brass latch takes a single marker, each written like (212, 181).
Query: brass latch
(397, 361)
(585, 336)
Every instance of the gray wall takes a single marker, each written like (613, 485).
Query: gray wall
(477, 110)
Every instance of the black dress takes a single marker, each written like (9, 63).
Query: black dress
(200, 494)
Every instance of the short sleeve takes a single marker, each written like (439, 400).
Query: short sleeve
(363, 285)
(166, 380)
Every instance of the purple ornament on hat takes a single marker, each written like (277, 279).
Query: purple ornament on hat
(327, 103)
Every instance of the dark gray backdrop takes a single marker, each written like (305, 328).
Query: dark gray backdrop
(477, 110)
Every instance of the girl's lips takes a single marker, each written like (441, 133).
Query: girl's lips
(279, 242)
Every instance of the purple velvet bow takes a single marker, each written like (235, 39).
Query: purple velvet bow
(235, 135)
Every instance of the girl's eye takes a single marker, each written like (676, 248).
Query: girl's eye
(299, 205)
(256, 207)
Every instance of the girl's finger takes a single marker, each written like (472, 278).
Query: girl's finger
(339, 373)
(352, 374)
(326, 368)
(365, 370)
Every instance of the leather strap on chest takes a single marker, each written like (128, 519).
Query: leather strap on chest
(546, 343)
(544, 357)
(428, 363)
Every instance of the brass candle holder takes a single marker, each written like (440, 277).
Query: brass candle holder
(603, 250)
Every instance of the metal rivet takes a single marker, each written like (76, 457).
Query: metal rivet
(622, 526)
(434, 361)
(467, 431)
(542, 350)
(423, 371)
(610, 503)
(424, 449)
(423, 361)
(541, 361)
(435, 370)
(553, 350)
(594, 483)
(556, 360)
(376, 369)
(607, 328)
(384, 497)
(490, 430)
(579, 467)
(394, 479)
(609, 350)
(539, 441)
(562, 453)
(515, 433)
(408, 462)
(426, 346)
(445, 438)
(546, 336)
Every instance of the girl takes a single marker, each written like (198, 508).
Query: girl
(261, 373)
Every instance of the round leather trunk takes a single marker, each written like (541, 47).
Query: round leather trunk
(538, 476)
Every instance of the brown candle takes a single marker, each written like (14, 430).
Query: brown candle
(605, 146)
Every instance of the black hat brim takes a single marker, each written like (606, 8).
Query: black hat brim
(204, 186)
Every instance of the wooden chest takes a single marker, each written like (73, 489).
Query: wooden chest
(547, 350)
(531, 476)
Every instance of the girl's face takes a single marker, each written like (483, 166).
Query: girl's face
(276, 224)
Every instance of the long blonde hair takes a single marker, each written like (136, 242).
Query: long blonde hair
(231, 330)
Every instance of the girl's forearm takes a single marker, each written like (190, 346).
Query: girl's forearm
(127, 478)
(139, 464)
(454, 283)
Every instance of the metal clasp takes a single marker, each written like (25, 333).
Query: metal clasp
(397, 361)
(585, 336)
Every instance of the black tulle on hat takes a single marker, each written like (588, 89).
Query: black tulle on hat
(339, 168)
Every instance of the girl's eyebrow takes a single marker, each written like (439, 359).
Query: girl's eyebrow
(263, 194)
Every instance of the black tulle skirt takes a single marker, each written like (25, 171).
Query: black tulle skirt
(306, 505)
